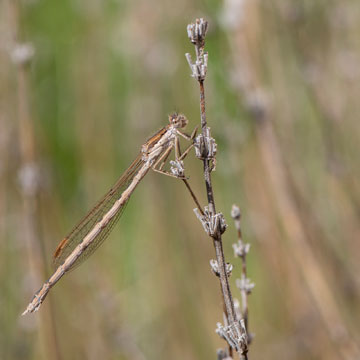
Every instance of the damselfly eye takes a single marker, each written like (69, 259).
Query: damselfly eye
(178, 120)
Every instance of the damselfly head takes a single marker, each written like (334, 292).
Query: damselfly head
(178, 120)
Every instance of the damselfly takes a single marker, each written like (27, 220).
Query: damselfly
(93, 229)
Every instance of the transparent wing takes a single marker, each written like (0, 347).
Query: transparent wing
(76, 236)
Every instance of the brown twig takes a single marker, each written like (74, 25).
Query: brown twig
(213, 223)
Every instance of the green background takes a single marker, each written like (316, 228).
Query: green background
(104, 76)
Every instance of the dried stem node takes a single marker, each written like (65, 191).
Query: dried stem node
(177, 168)
(199, 68)
(245, 284)
(197, 32)
(205, 146)
(235, 334)
(215, 268)
(235, 213)
(213, 224)
(241, 249)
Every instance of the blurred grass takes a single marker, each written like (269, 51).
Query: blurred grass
(104, 76)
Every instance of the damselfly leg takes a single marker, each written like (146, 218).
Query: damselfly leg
(159, 165)
(161, 162)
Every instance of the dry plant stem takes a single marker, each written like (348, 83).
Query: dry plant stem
(29, 173)
(214, 224)
(217, 240)
(244, 301)
(241, 250)
(243, 276)
(229, 308)
(244, 297)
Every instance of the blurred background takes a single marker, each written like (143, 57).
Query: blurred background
(84, 83)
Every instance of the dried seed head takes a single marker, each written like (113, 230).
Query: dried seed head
(205, 146)
(197, 32)
(235, 334)
(215, 268)
(235, 212)
(245, 284)
(210, 222)
(178, 120)
(177, 168)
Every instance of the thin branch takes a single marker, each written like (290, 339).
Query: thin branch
(193, 195)
(244, 284)
(214, 223)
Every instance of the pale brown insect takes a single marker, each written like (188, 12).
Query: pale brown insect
(93, 229)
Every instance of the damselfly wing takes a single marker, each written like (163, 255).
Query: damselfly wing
(77, 234)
